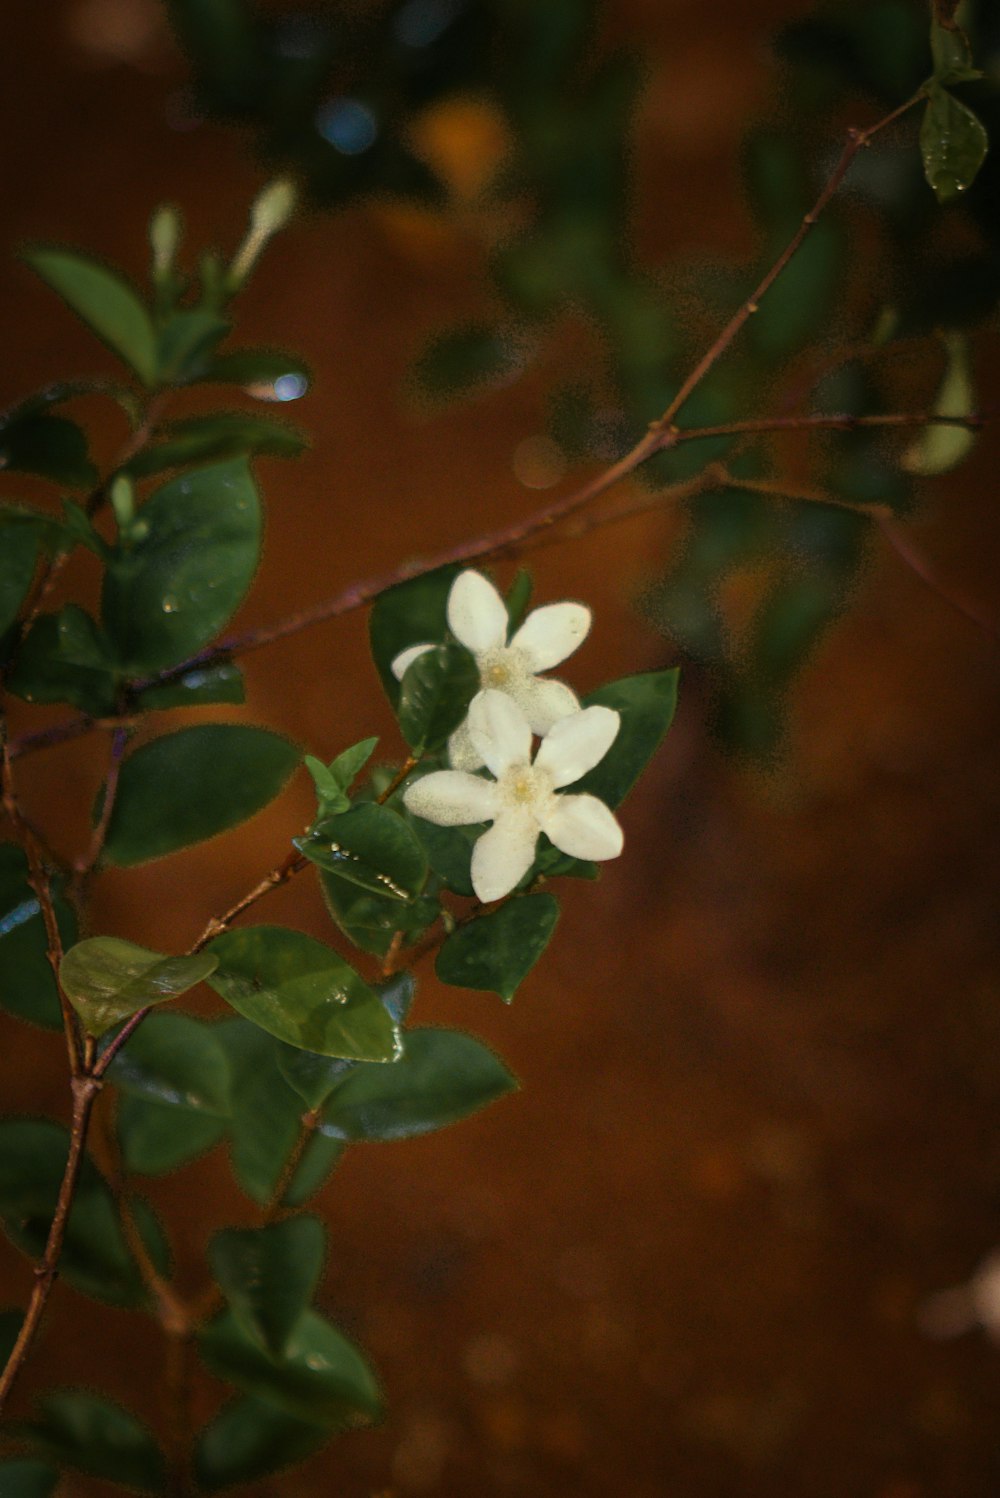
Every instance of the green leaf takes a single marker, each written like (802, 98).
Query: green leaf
(191, 785)
(79, 530)
(95, 1258)
(226, 434)
(952, 54)
(107, 979)
(371, 846)
(250, 1439)
(53, 447)
(186, 344)
(938, 449)
(201, 685)
(321, 1377)
(329, 796)
(441, 1077)
(185, 566)
(449, 851)
(953, 142)
(312, 1077)
(518, 598)
(27, 983)
(267, 1114)
(106, 303)
(66, 658)
(156, 1138)
(647, 703)
(348, 765)
(320, 1156)
(27, 1479)
(262, 373)
(176, 1060)
(269, 1275)
(435, 694)
(411, 613)
(18, 558)
(93, 1435)
(466, 360)
(302, 992)
(497, 951)
(371, 921)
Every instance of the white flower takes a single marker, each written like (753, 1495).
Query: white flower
(521, 801)
(477, 617)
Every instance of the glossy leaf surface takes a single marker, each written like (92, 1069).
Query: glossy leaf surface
(193, 784)
(201, 685)
(442, 1076)
(303, 992)
(177, 1061)
(185, 566)
(498, 950)
(107, 979)
(371, 921)
(434, 696)
(269, 1275)
(953, 142)
(371, 846)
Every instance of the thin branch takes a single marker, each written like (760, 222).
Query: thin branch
(88, 861)
(840, 421)
(856, 140)
(287, 869)
(85, 1090)
(38, 878)
(922, 569)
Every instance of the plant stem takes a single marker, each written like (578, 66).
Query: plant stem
(86, 864)
(856, 140)
(85, 1090)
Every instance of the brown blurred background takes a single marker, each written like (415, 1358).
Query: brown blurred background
(696, 1255)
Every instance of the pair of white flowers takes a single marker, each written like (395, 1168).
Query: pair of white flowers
(522, 799)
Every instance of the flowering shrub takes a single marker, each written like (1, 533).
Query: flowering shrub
(449, 842)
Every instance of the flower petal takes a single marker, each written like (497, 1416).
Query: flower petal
(452, 798)
(552, 633)
(583, 827)
(576, 744)
(406, 658)
(477, 615)
(544, 702)
(503, 856)
(462, 752)
(499, 731)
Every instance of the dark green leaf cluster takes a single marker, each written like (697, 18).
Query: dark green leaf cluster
(316, 1055)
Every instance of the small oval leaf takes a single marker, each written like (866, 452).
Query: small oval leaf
(107, 979)
(302, 992)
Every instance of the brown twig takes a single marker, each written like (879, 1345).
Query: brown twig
(856, 140)
(922, 569)
(841, 421)
(86, 864)
(85, 1090)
